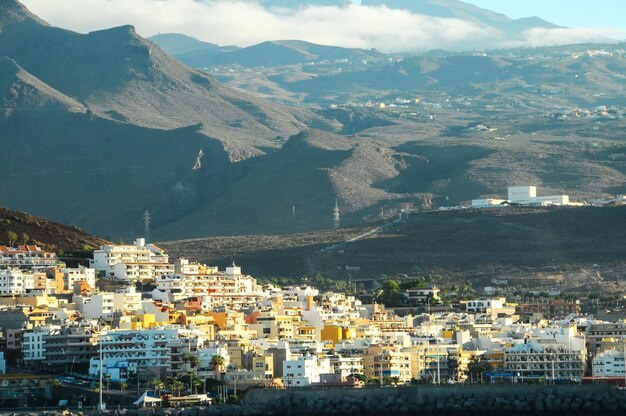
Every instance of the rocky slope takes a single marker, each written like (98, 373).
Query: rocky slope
(46, 234)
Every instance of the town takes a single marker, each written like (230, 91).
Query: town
(133, 321)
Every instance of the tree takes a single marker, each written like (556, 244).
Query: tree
(123, 386)
(196, 382)
(174, 385)
(391, 295)
(179, 386)
(12, 237)
(157, 384)
(25, 238)
(193, 362)
(217, 361)
(476, 367)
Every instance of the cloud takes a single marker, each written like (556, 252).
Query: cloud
(562, 36)
(245, 23)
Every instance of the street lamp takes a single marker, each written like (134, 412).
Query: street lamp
(438, 359)
(100, 402)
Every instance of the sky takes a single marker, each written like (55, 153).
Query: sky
(570, 13)
(244, 23)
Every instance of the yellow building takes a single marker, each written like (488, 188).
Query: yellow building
(337, 333)
(144, 321)
(387, 361)
(265, 364)
(307, 332)
(271, 325)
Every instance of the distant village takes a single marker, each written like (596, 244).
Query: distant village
(181, 327)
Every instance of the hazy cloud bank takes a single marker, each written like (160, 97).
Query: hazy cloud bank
(245, 23)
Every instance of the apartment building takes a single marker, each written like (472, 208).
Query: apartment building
(15, 281)
(133, 256)
(156, 350)
(304, 370)
(70, 348)
(387, 361)
(71, 276)
(29, 257)
(229, 288)
(544, 359)
(598, 333)
(609, 363)
(104, 305)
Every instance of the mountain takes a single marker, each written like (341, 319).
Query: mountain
(574, 78)
(455, 9)
(46, 234)
(310, 172)
(267, 54)
(105, 125)
(98, 128)
(177, 44)
(303, 3)
(135, 82)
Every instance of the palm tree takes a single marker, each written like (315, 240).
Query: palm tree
(217, 362)
(193, 362)
(170, 383)
(178, 386)
(12, 237)
(196, 382)
(158, 385)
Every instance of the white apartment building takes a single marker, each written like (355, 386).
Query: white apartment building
(229, 288)
(29, 257)
(545, 359)
(158, 350)
(107, 257)
(96, 306)
(481, 305)
(73, 275)
(33, 350)
(305, 370)
(609, 363)
(140, 271)
(105, 304)
(346, 365)
(16, 281)
(205, 356)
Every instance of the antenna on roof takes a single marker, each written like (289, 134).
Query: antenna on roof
(146, 223)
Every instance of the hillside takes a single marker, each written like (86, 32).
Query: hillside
(512, 78)
(105, 125)
(464, 11)
(46, 234)
(265, 54)
(515, 243)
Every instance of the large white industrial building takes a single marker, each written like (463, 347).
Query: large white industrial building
(524, 195)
